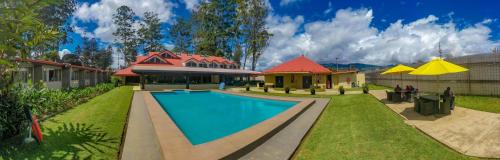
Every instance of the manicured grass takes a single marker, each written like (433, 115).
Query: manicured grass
(89, 131)
(370, 86)
(481, 103)
(377, 87)
(360, 127)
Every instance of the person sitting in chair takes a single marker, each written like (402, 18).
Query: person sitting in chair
(397, 89)
(448, 94)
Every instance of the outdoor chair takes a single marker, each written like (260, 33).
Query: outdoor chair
(389, 95)
(445, 106)
(416, 104)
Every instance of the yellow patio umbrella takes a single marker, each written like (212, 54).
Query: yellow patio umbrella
(399, 69)
(437, 67)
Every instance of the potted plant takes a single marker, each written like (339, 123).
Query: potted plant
(287, 90)
(341, 90)
(313, 90)
(247, 87)
(265, 88)
(365, 88)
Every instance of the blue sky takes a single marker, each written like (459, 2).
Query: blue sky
(369, 31)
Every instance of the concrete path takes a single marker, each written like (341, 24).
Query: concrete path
(471, 132)
(140, 139)
(283, 144)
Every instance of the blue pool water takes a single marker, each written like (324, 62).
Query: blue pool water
(207, 116)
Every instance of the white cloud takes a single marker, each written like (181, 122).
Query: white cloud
(63, 52)
(329, 9)
(102, 14)
(192, 4)
(350, 36)
(287, 2)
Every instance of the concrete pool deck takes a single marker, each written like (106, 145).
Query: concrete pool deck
(470, 132)
(143, 138)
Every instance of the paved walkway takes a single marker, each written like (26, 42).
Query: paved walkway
(283, 144)
(471, 132)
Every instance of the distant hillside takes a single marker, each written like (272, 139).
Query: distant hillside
(359, 66)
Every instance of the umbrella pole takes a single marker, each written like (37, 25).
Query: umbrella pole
(401, 76)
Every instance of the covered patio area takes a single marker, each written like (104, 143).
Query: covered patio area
(160, 78)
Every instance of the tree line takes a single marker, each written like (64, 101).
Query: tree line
(233, 29)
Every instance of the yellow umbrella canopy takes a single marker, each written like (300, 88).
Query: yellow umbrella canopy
(399, 69)
(438, 66)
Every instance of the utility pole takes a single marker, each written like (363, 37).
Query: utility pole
(440, 51)
(337, 62)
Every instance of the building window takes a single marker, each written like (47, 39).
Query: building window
(292, 79)
(223, 66)
(154, 60)
(22, 76)
(213, 65)
(233, 66)
(75, 76)
(51, 75)
(191, 64)
(204, 65)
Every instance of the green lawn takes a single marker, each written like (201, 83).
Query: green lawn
(370, 86)
(481, 103)
(360, 127)
(89, 131)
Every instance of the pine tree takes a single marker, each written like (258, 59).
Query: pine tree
(254, 29)
(89, 52)
(237, 54)
(56, 17)
(126, 35)
(104, 58)
(149, 33)
(181, 34)
(206, 21)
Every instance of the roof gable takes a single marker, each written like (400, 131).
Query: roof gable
(299, 64)
(158, 58)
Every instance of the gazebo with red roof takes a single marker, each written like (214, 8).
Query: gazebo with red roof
(300, 72)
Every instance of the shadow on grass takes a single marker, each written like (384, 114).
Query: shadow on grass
(67, 141)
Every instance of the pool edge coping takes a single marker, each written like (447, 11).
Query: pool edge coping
(174, 144)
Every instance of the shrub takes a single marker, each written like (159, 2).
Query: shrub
(287, 90)
(313, 90)
(341, 90)
(365, 88)
(12, 117)
(266, 88)
(247, 87)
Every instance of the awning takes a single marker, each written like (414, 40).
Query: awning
(127, 72)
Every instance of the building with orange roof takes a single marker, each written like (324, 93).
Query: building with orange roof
(304, 73)
(169, 70)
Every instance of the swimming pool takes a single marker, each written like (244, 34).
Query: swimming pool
(207, 116)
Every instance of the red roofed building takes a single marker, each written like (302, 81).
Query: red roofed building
(165, 69)
(303, 73)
